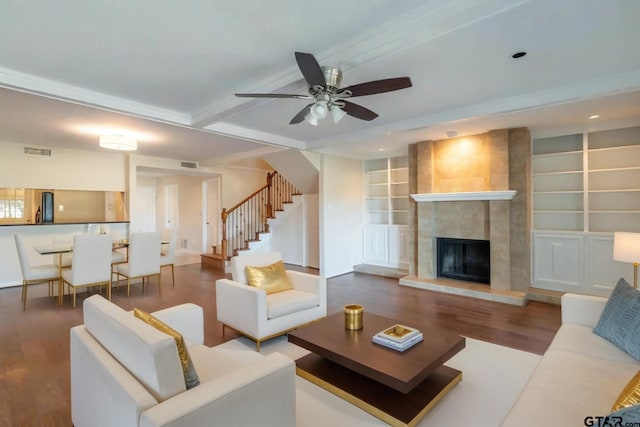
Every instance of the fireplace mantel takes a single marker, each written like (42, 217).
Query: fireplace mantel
(464, 196)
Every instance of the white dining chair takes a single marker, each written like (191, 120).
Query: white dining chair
(117, 257)
(90, 264)
(143, 261)
(168, 257)
(37, 274)
(63, 261)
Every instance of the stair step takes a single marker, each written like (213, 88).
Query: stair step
(212, 260)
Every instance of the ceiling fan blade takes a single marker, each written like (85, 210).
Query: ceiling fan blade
(310, 69)
(378, 86)
(358, 111)
(273, 95)
(301, 115)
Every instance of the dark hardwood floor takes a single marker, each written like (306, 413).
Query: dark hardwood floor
(34, 344)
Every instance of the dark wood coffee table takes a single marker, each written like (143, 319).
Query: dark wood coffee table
(396, 387)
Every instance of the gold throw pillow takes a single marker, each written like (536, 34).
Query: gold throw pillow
(630, 394)
(272, 278)
(188, 370)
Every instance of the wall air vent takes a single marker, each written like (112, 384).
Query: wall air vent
(190, 165)
(37, 151)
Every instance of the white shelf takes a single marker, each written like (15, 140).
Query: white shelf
(558, 173)
(615, 212)
(559, 192)
(559, 211)
(547, 155)
(622, 190)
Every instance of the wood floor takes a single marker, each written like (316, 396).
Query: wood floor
(34, 345)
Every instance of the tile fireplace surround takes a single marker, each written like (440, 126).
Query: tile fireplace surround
(476, 187)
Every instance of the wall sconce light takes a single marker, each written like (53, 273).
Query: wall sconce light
(118, 142)
(626, 248)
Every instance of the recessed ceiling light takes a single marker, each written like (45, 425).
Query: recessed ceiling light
(518, 55)
(380, 149)
(595, 116)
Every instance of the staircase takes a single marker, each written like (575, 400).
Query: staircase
(247, 221)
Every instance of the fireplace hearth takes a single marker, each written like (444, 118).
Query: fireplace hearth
(463, 259)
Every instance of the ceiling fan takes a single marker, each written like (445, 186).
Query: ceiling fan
(324, 89)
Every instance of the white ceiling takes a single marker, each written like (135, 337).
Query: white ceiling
(166, 72)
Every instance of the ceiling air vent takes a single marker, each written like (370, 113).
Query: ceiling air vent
(38, 151)
(190, 165)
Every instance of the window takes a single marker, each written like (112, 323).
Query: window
(11, 204)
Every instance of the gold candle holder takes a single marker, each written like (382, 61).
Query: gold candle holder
(353, 316)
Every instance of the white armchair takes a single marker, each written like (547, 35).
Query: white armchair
(126, 373)
(258, 316)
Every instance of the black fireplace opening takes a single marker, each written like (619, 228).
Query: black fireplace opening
(463, 259)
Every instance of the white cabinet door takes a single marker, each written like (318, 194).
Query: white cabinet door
(376, 244)
(386, 245)
(399, 246)
(558, 261)
(602, 271)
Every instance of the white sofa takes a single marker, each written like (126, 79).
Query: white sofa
(580, 375)
(126, 373)
(258, 316)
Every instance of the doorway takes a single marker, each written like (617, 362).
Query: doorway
(144, 209)
(211, 207)
(171, 206)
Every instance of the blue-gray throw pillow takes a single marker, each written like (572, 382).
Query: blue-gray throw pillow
(620, 319)
(629, 416)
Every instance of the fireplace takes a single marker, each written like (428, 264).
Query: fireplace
(463, 259)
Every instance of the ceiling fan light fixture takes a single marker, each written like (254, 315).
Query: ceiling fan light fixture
(337, 113)
(319, 110)
(323, 85)
(311, 119)
(118, 142)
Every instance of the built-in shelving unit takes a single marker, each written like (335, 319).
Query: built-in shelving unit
(386, 234)
(614, 180)
(585, 187)
(387, 191)
(558, 187)
(587, 182)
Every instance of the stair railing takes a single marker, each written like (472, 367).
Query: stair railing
(244, 221)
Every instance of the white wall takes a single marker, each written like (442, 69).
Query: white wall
(64, 170)
(287, 232)
(341, 215)
(239, 183)
(294, 232)
(312, 231)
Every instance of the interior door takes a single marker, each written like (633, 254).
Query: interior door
(212, 207)
(144, 209)
(171, 206)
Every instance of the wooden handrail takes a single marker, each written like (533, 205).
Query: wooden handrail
(243, 201)
(248, 218)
